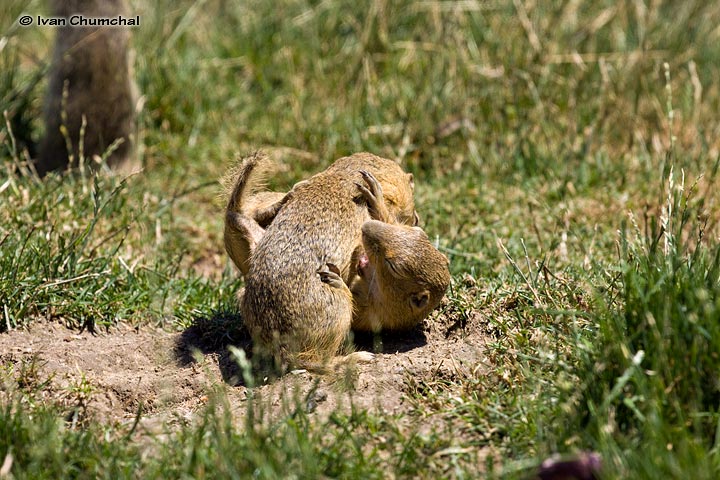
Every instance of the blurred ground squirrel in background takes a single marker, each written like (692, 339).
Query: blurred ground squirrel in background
(402, 276)
(90, 78)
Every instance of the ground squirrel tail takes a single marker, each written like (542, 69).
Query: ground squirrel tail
(246, 178)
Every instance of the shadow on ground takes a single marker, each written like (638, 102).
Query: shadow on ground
(211, 336)
(390, 342)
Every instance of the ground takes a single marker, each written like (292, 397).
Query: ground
(170, 375)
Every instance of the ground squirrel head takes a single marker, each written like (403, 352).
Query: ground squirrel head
(406, 275)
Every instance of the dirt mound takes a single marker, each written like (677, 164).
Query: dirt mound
(168, 376)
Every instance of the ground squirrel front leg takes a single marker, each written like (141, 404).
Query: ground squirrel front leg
(373, 195)
(330, 274)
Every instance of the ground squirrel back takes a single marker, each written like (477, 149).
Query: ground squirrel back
(289, 309)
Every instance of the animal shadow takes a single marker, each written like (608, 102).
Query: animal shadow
(390, 342)
(212, 335)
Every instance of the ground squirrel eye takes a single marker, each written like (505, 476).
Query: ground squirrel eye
(392, 268)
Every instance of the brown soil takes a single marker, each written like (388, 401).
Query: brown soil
(170, 376)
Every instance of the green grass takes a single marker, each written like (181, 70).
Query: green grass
(71, 251)
(349, 445)
(532, 132)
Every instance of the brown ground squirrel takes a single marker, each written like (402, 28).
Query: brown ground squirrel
(92, 65)
(296, 303)
(250, 208)
(402, 277)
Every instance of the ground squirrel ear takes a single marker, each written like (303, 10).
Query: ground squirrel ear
(411, 181)
(420, 300)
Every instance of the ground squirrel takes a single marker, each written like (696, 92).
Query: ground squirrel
(250, 208)
(402, 277)
(296, 303)
(90, 64)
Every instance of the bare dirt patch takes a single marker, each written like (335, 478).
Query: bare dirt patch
(170, 376)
